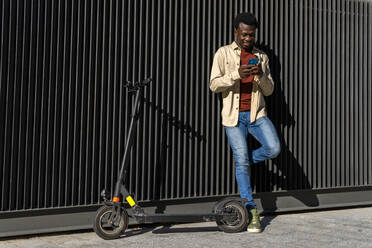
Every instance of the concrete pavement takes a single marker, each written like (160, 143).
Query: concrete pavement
(350, 228)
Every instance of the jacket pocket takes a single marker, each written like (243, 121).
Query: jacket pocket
(230, 66)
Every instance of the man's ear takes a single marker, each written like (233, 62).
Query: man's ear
(235, 32)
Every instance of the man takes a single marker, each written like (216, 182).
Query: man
(243, 87)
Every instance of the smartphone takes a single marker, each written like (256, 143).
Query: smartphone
(253, 61)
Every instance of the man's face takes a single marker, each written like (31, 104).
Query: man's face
(245, 36)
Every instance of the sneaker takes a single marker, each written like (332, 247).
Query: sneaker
(254, 225)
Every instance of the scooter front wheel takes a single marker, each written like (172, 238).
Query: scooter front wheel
(107, 225)
(235, 219)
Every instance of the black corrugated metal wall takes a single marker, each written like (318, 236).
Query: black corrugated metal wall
(64, 115)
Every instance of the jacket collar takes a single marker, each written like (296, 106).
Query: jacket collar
(237, 49)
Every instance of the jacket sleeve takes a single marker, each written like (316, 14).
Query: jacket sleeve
(221, 80)
(265, 81)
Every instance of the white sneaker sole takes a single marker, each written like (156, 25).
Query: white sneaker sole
(254, 230)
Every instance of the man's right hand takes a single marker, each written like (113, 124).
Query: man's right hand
(248, 70)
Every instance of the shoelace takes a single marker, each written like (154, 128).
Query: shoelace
(255, 219)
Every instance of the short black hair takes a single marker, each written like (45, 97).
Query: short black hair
(246, 18)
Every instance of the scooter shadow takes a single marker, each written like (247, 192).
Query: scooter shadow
(174, 229)
(166, 229)
(138, 231)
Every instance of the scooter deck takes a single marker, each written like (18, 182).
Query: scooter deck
(177, 218)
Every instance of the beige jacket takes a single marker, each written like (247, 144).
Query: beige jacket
(225, 78)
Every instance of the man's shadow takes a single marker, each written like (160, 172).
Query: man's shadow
(289, 173)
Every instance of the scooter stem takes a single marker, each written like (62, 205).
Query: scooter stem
(123, 169)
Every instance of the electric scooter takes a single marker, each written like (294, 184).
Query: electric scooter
(112, 219)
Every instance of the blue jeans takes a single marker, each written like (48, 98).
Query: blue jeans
(264, 132)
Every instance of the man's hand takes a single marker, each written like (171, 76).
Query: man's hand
(248, 70)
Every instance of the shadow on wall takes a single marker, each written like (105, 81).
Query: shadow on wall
(289, 174)
(171, 131)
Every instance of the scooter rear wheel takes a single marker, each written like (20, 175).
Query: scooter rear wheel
(105, 228)
(236, 220)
